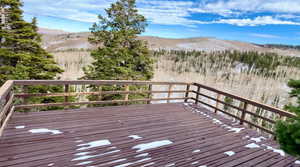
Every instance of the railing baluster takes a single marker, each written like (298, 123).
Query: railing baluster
(67, 91)
(217, 102)
(187, 92)
(127, 94)
(149, 94)
(243, 113)
(169, 92)
(197, 95)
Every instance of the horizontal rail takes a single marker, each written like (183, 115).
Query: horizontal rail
(93, 82)
(92, 93)
(251, 102)
(94, 102)
(235, 107)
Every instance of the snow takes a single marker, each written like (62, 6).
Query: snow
(258, 139)
(202, 166)
(281, 152)
(148, 164)
(235, 130)
(135, 137)
(252, 145)
(84, 163)
(50, 164)
(82, 153)
(142, 155)
(93, 144)
(194, 163)
(78, 141)
(44, 130)
(116, 161)
(297, 162)
(169, 165)
(84, 157)
(195, 151)
(229, 153)
(146, 146)
(20, 127)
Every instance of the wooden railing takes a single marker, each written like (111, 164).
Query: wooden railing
(173, 91)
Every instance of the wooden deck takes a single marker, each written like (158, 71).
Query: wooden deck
(184, 136)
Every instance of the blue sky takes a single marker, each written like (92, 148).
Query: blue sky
(257, 21)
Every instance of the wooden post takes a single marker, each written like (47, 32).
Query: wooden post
(100, 93)
(244, 113)
(149, 94)
(197, 95)
(126, 95)
(187, 92)
(217, 102)
(169, 92)
(66, 91)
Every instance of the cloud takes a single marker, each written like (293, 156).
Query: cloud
(260, 20)
(264, 35)
(178, 12)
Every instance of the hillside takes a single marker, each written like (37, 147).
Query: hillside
(57, 40)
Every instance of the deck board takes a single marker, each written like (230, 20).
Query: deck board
(182, 124)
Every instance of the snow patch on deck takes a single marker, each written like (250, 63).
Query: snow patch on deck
(85, 157)
(93, 144)
(169, 165)
(146, 146)
(84, 163)
(258, 139)
(20, 127)
(196, 151)
(297, 162)
(229, 153)
(44, 130)
(281, 152)
(142, 155)
(135, 137)
(252, 145)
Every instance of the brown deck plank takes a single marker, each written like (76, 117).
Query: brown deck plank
(187, 129)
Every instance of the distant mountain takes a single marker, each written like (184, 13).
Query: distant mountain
(57, 40)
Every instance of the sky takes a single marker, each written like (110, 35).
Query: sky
(256, 21)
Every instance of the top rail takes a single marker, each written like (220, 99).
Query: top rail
(93, 82)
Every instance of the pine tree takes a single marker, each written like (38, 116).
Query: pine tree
(120, 55)
(21, 54)
(288, 132)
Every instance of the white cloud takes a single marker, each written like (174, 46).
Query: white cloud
(264, 35)
(177, 12)
(260, 20)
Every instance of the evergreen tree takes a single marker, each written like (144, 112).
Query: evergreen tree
(21, 54)
(120, 55)
(288, 132)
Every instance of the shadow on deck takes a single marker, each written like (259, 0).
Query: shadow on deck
(161, 135)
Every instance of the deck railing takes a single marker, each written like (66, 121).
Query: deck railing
(155, 92)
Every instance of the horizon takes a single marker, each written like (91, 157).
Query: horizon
(259, 22)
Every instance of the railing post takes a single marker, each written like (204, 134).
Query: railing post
(244, 113)
(197, 95)
(187, 92)
(217, 102)
(66, 91)
(127, 94)
(149, 94)
(169, 92)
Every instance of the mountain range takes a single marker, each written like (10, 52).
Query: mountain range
(58, 40)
